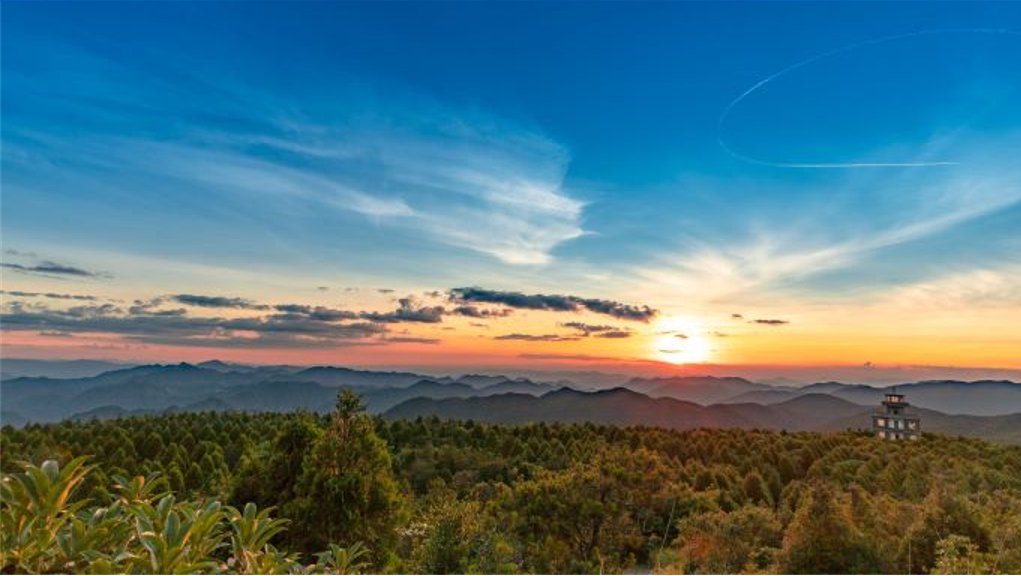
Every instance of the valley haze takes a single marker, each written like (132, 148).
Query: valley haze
(988, 409)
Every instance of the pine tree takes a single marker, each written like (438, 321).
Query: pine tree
(821, 538)
(347, 492)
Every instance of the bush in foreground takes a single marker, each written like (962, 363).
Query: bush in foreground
(142, 530)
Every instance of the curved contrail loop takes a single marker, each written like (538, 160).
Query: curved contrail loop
(744, 95)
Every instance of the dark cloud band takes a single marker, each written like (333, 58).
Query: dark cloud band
(770, 321)
(49, 268)
(554, 303)
(536, 337)
(217, 302)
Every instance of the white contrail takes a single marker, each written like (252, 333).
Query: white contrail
(741, 97)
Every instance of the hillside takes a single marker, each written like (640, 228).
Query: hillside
(980, 398)
(603, 498)
(623, 407)
(698, 389)
(679, 403)
(221, 386)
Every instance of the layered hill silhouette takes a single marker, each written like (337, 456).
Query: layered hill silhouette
(624, 407)
(990, 409)
(982, 397)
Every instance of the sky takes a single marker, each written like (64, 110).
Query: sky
(762, 189)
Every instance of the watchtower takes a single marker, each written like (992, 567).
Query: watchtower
(896, 421)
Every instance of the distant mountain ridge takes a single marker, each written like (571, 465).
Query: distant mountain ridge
(27, 367)
(625, 407)
(703, 401)
(157, 387)
(980, 398)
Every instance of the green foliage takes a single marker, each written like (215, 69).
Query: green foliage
(337, 560)
(37, 516)
(171, 493)
(725, 543)
(957, 554)
(141, 531)
(822, 537)
(941, 516)
(347, 491)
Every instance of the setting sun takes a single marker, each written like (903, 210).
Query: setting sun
(680, 341)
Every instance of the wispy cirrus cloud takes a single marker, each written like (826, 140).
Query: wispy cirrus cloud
(975, 288)
(456, 178)
(859, 218)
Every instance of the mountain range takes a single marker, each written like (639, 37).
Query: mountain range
(990, 409)
(625, 407)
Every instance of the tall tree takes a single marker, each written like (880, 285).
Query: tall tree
(347, 493)
(821, 538)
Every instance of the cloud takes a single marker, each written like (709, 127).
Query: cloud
(411, 340)
(92, 310)
(449, 175)
(555, 303)
(287, 325)
(407, 311)
(50, 268)
(925, 161)
(152, 307)
(536, 337)
(737, 316)
(969, 289)
(476, 312)
(515, 299)
(320, 313)
(217, 302)
(587, 329)
(618, 310)
(615, 334)
(23, 253)
(585, 358)
(598, 330)
(139, 311)
(146, 324)
(53, 295)
(769, 321)
(851, 232)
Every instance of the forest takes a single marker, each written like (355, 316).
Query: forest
(350, 492)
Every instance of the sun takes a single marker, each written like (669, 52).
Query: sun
(680, 340)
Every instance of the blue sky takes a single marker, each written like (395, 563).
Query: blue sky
(264, 150)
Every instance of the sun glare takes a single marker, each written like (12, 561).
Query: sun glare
(680, 341)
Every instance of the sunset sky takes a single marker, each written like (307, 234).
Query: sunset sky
(786, 190)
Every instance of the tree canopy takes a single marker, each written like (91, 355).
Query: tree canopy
(283, 492)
